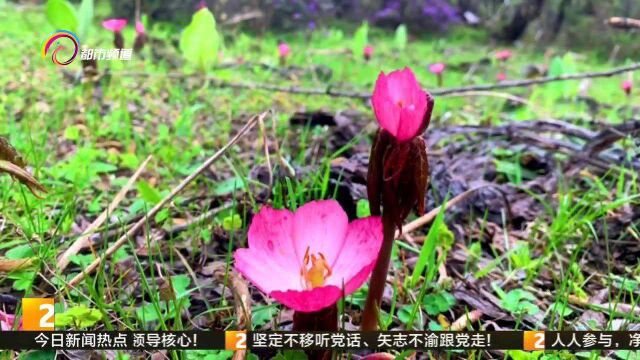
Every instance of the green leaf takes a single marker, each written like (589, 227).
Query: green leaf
(148, 312)
(290, 355)
(85, 19)
(362, 208)
(229, 186)
(360, 39)
(72, 133)
(438, 303)
(62, 15)
(24, 251)
(78, 317)
(427, 255)
(148, 193)
(38, 355)
(401, 37)
(180, 285)
(200, 40)
(22, 279)
(262, 315)
(232, 222)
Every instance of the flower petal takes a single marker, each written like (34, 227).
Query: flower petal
(271, 232)
(320, 226)
(139, 27)
(386, 110)
(263, 272)
(115, 25)
(308, 300)
(412, 119)
(358, 255)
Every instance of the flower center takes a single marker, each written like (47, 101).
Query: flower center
(315, 270)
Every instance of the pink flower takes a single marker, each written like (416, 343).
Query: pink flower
(402, 108)
(368, 52)
(437, 68)
(283, 50)
(501, 76)
(503, 55)
(627, 86)
(115, 25)
(6, 321)
(139, 27)
(303, 259)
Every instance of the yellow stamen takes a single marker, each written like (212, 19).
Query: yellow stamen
(317, 273)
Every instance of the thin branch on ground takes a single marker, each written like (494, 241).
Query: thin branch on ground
(623, 22)
(330, 91)
(83, 240)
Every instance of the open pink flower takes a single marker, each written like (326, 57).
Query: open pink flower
(303, 259)
(139, 27)
(627, 86)
(437, 68)
(284, 50)
(402, 108)
(503, 55)
(368, 52)
(7, 321)
(115, 25)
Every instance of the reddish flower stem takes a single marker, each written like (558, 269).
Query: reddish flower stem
(321, 320)
(379, 276)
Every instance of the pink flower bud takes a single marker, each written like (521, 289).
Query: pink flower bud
(368, 52)
(437, 68)
(284, 50)
(401, 107)
(503, 55)
(115, 25)
(501, 76)
(139, 27)
(627, 86)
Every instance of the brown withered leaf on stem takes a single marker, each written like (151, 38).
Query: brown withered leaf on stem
(12, 163)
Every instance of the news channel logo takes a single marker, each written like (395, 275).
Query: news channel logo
(58, 44)
(58, 41)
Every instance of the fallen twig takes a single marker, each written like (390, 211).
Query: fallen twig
(623, 22)
(152, 213)
(428, 217)
(82, 241)
(329, 91)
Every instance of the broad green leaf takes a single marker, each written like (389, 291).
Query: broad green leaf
(78, 317)
(148, 193)
(200, 40)
(62, 15)
(360, 39)
(85, 18)
(24, 251)
(401, 37)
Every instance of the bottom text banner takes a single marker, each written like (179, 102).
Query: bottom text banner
(344, 341)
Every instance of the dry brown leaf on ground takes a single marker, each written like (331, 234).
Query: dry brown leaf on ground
(8, 265)
(13, 164)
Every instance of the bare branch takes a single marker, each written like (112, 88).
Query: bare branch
(330, 91)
